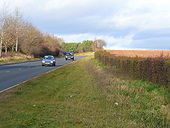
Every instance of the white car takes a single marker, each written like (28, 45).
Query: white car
(48, 60)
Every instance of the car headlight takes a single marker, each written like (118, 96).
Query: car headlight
(51, 61)
(43, 61)
(66, 56)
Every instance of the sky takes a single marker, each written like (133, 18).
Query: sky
(123, 24)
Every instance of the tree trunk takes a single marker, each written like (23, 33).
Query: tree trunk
(6, 50)
(13, 48)
(16, 47)
(1, 44)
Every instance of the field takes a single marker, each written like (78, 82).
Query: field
(140, 53)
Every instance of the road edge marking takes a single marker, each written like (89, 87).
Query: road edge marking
(35, 77)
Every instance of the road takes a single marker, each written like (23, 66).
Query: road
(11, 75)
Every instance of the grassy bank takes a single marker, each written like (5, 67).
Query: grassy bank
(18, 60)
(83, 95)
(85, 54)
(14, 58)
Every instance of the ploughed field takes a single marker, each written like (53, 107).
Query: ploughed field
(140, 53)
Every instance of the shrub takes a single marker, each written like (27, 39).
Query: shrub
(155, 70)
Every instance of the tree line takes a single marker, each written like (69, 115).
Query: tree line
(18, 35)
(85, 46)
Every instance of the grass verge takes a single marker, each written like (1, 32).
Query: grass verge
(85, 54)
(83, 95)
(15, 58)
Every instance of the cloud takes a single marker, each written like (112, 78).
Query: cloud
(110, 14)
(142, 15)
(122, 23)
(63, 4)
(16, 3)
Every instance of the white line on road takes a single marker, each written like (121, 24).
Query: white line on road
(35, 77)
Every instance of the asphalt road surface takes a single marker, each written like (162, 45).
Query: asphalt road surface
(11, 75)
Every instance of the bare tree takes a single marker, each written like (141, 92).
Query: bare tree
(14, 30)
(2, 19)
(99, 44)
(3, 16)
(1, 42)
(17, 19)
(9, 34)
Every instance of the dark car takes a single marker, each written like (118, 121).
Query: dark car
(69, 56)
(48, 60)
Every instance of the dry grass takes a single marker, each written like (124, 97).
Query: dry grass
(85, 54)
(140, 53)
(15, 57)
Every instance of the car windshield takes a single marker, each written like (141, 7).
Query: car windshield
(49, 57)
(69, 54)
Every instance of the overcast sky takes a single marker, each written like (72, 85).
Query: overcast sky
(123, 24)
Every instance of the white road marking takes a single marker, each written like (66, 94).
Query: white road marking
(35, 77)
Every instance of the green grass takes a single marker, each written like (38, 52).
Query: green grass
(143, 93)
(83, 95)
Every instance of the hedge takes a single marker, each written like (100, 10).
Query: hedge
(155, 70)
